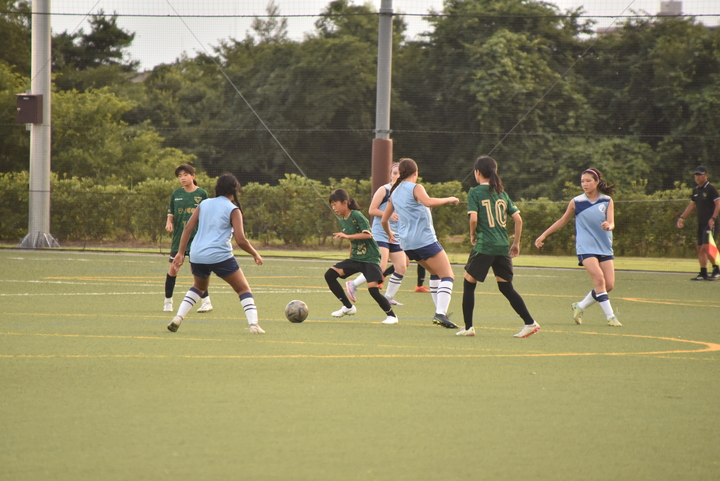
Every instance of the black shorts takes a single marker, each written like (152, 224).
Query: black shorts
(372, 272)
(479, 264)
(221, 269)
(702, 234)
(174, 253)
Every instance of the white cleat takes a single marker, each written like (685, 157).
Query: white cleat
(255, 329)
(393, 302)
(174, 324)
(612, 321)
(577, 312)
(206, 305)
(344, 311)
(466, 332)
(167, 307)
(528, 330)
(390, 320)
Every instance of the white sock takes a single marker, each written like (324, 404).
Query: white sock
(444, 294)
(587, 302)
(393, 285)
(191, 298)
(359, 280)
(248, 303)
(434, 283)
(606, 307)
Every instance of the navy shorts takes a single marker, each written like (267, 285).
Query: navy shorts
(479, 264)
(372, 272)
(390, 247)
(582, 257)
(221, 269)
(424, 253)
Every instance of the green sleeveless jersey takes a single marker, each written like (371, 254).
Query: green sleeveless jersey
(492, 211)
(363, 250)
(182, 206)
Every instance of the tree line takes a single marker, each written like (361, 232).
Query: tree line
(522, 79)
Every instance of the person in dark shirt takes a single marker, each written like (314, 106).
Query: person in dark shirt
(707, 200)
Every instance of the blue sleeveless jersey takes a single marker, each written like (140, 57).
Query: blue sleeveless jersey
(590, 238)
(212, 242)
(378, 232)
(415, 226)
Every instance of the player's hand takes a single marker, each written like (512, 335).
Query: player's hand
(340, 235)
(392, 238)
(453, 200)
(179, 259)
(539, 242)
(514, 250)
(607, 226)
(169, 226)
(680, 223)
(394, 217)
(473, 239)
(258, 260)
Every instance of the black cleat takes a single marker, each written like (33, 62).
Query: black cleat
(444, 321)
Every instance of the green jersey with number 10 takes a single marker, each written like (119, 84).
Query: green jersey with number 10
(492, 210)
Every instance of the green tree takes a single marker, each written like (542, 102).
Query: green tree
(14, 138)
(15, 34)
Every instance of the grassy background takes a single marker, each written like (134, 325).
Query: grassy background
(92, 386)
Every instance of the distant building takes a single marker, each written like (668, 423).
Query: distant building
(670, 8)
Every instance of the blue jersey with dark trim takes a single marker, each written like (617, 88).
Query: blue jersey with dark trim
(590, 238)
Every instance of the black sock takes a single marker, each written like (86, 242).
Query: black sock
(516, 301)
(389, 270)
(331, 277)
(381, 300)
(703, 272)
(421, 275)
(169, 286)
(468, 302)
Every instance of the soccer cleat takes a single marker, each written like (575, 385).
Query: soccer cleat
(466, 332)
(255, 329)
(528, 330)
(714, 276)
(422, 289)
(168, 305)
(351, 290)
(393, 302)
(612, 321)
(700, 277)
(444, 321)
(390, 320)
(344, 311)
(174, 324)
(577, 312)
(206, 305)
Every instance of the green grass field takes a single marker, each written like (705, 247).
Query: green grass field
(93, 386)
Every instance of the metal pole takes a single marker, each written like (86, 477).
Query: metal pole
(39, 206)
(382, 145)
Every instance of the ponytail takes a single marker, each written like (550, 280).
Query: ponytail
(406, 168)
(227, 184)
(487, 166)
(602, 185)
(341, 195)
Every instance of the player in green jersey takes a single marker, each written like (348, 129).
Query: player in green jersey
(183, 203)
(488, 210)
(364, 256)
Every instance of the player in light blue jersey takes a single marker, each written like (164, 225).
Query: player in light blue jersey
(388, 250)
(417, 235)
(594, 222)
(217, 220)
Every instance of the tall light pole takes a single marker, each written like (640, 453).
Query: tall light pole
(38, 235)
(382, 148)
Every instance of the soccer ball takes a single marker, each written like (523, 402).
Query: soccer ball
(296, 311)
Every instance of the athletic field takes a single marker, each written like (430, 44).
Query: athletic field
(93, 386)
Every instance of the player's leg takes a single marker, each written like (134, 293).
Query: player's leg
(200, 285)
(353, 285)
(331, 277)
(399, 260)
(468, 305)
(170, 279)
(439, 265)
(240, 285)
(373, 273)
(597, 274)
(420, 287)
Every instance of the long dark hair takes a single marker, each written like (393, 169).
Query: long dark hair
(227, 184)
(341, 195)
(602, 185)
(406, 168)
(487, 166)
(186, 168)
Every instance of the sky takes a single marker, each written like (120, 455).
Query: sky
(163, 37)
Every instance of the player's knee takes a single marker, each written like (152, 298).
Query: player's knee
(331, 275)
